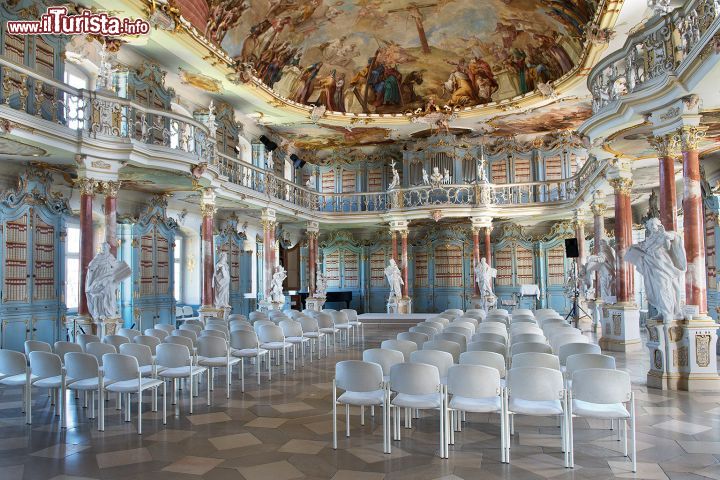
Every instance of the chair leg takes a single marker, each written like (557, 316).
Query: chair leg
(164, 402)
(347, 420)
(211, 377)
(362, 415)
(139, 401)
(334, 413)
(101, 407)
(190, 381)
(228, 375)
(632, 432)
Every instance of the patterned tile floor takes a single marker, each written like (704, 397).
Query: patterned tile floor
(282, 430)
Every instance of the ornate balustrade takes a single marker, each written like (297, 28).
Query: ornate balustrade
(663, 46)
(102, 115)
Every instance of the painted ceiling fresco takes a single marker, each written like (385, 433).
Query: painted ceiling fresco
(393, 56)
(331, 136)
(566, 115)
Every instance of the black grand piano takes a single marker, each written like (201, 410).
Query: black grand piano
(331, 297)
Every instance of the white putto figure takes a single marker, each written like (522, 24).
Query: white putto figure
(604, 264)
(394, 278)
(320, 285)
(221, 282)
(276, 285)
(104, 274)
(395, 183)
(484, 274)
(660, 259)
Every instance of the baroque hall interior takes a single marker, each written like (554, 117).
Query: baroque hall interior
(467, 214)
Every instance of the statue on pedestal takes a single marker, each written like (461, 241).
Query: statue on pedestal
(104, 274)
(660, 259)
(221, 282)
(276, 285)
(484, 274)
(394, 278)
(395, 183)
(320, 285)
(603, 263)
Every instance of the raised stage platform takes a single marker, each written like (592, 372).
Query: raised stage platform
(394, 318)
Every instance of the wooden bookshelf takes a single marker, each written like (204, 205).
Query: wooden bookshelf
(522, 171)
(503, 265)
(525, 266)
(349, 181)
(421, 269)
(44, 261)
(556, 266)
(498, 171)
(332, 269)
(351, 269)
(16, 258)
(377, 268)
(327, 181)
(374, 176)
(448, 266)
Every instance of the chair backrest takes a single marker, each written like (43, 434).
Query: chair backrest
(309, 324)
(488, 359)
(384, 357)
(466, 332)
(254, 316)
(147, 340)
(352, 314)
(477, 314)
(489, 337)
(473, 381)
(458, 338)
(187, 334)
(261, 323)
(358, 376)
(463, 324)
(576, 348)
(271, 333)
(12, 362)
(414, 378)
(535, 383)
(193, 321)
(61, 348)
(485, 346)
(441, 360)
(453, 348)
(115, 340)
(243, 339)
(601, 385)
(528, 338)
(418, 338)
(239, 316)
(187, 311)
(291, 328)
(165, 327)
(530, 347)
(37, 346)
(193, 328)
(241, 326)
(218, 328)
(45, 364)
(99, 349)
(496, 319)
(142, 353)
(467, 319)
(130, 333)
(179, 340)
(492, 327)
(212, 347)
(214, 333)
(437, 326)
(558, 341)
(535, 359)
(79, 365)
(553, 328)
(455, 311)
(172, 355)
(118, 367)
(522, 319)
(442, 320)
(429, 331)
(294, 314)
(154, 332)
(584, 361)
(520, 328)
(85, 338)
(404, 346)
(523, 311)
(339, 318)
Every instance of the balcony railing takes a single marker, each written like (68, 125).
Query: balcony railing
(661, 47)
(96, 115)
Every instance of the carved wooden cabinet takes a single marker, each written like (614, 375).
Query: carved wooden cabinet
(32, 275)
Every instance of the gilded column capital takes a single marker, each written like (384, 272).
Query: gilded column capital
(690, 137)
(86, 185)
(666, 145)
(208, 209)
(598, 209)
(622, 185)
(313, 235)
(110, 188)
(404, 233)
(268, 225)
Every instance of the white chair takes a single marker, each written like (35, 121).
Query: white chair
(293, 332)
(557, 341)
(311, 330)
(485, 346)
(467, 319)
(386, 358)
(213, 352)
(83, 375)
(418, 338)
(439, 359)
(537, 391)
(603, 393)
(244, 345)
(489, 337)
(175, 363)
(363, 386)
(535, 359)
(187, 311)
(327, 326)
(115, 340)
(584, 361)
(214, 333)
(530, 347)
(163, 326)
(492, 327)
(342, 323)
(197, 329)
(37, 346)
(130, 333)
(455, 311)
(528, 338)
(144, 357)
(121, 374)
(234, 327)
(519, 328)
(453, 348)
(429, 331)
(436, 325)
(255, 316)
(487, 359)
(61, 348)
(475, 389)
(15, 372)
(47, 373)
(574, 349)
(85, 338)
(149, 341)
(154, 332)
(458, 338)
(406, 347)
(464, 331)
(98, 349)
(272, 339)
(417, 386)
(352, 316)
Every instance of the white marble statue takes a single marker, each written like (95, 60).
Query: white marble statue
(104, 274)
(210, 121)
(480, 170)
(484, 274)
(395, 177)
(446, 177)
(425, 177)
(436, 177)
(394, 278)
(604, 264)
(320, 285)
(660, 259)
(276, 285)
(221, 282)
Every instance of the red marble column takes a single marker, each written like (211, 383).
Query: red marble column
(404, 262)
(693, 221)
(476, 257)
(488, 246)
(624, 285)
(111, 192)
(394, 252)
(666, 147)
(598, 210)
(268, 253)
(208, 214)
(312, 262)
(87, 191)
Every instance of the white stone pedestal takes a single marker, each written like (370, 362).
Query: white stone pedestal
(109, 326)
(315, 303)
(79, 325)
(620, 328)
(207, 311)
(403, 305)
(682, 354)
(268, 305)
(481, 303)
